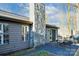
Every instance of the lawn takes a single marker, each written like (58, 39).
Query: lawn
(36, 53)
(20, 53)
(41, 53)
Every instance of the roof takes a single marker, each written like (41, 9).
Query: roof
(51, 26)
(14, 17)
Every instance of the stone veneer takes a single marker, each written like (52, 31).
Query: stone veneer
(37, 15)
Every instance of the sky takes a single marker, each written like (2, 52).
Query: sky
(56, 13)
(16, 8)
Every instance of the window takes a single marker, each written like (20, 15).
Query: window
(50, 33)
(5, 28)
(4, 36)
(24, 33)
(1, 28)
(50, 37)
(1, 39)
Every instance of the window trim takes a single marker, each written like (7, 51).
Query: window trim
(25, 27)
(24, 33)
(2, 34)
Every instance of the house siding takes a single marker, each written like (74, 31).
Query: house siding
(15, 39)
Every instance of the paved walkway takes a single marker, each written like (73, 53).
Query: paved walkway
(54, 49)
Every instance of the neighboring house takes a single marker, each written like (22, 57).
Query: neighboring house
(18, 32)
(51, 33)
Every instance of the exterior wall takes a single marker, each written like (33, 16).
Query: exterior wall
(15, 39)
(50, 34)
(37, 15)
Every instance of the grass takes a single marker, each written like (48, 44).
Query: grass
(23, 53)
(41, 53)
(19, 53)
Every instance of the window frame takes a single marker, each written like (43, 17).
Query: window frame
(24, 32)
(2, 33)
